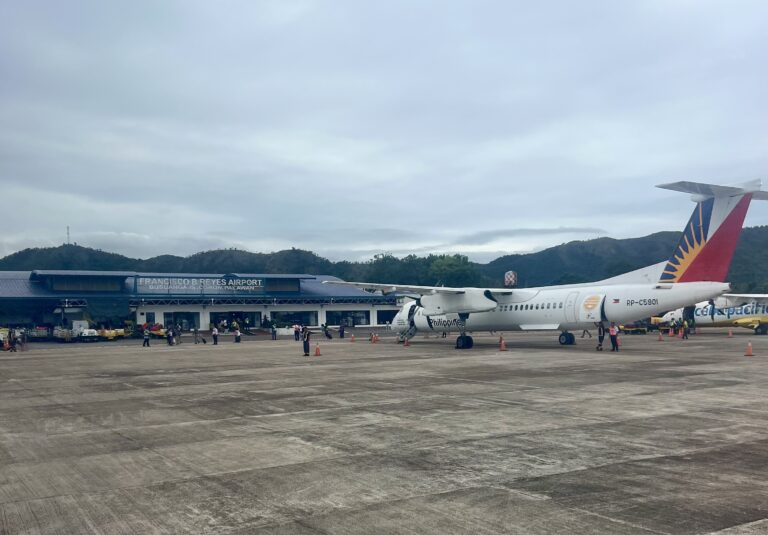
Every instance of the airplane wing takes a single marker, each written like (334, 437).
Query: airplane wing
(732, 299)
(420, 290)
(401, 288)
(437, 300)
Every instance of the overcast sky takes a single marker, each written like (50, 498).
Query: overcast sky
(351, 127)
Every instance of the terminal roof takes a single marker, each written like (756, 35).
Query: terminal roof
(92, 273)
(79, 273)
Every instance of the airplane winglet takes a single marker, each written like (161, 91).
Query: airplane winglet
(702, 191)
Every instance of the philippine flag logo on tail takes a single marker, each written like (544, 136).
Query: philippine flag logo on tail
(709, 239)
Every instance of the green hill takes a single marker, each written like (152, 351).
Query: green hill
(584, 261)
(577, 261)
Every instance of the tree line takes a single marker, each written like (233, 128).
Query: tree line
(573, 262)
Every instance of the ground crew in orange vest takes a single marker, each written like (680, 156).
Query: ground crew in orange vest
(613, 332)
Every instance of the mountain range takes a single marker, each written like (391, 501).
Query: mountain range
(572, 262)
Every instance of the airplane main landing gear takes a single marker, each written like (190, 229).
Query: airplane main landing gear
(464, 342)
(566, 339)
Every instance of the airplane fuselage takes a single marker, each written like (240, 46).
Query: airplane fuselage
(752, 315)
(565, 308)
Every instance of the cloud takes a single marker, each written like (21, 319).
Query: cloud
(488, 236)
(353, 128)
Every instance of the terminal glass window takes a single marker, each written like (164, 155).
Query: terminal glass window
(386, 316)
(286, 319)
(348, 318)
(187, 320)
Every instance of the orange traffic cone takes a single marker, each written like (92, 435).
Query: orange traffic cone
(502, 344)
(352, 338)
(407, 343)
(749, 350)
(671, 332)
(317, 350)
(661, 338)
(730, 333)
(680, 334)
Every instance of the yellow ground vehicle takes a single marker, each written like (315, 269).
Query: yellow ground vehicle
(633, 328)
(157, 333)
(111, 334)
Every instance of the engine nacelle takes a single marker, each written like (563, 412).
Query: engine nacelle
(470, 300)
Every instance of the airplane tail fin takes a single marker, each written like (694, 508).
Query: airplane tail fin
(709, 239)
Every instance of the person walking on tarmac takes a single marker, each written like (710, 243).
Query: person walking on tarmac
(215, 335)
(685, 329)
(146, 338)
(327, 334)
(613, 332)
(600, 335)
(305, 338)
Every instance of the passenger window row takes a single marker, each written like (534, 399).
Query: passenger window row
(537, 306)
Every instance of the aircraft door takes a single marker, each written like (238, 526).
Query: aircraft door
(570, 306)
(591, 308)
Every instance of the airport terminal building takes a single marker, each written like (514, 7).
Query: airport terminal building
(110, 298)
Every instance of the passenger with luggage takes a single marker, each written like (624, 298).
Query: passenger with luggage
(326, 332)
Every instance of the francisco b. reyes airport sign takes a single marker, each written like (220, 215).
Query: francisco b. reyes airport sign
(193, 285)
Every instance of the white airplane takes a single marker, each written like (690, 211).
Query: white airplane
(730, 310)
(695, 272)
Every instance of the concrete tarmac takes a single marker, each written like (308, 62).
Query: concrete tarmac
(663, 437)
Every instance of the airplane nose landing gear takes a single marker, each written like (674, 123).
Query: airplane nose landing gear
(566, 339)
(464, 342)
